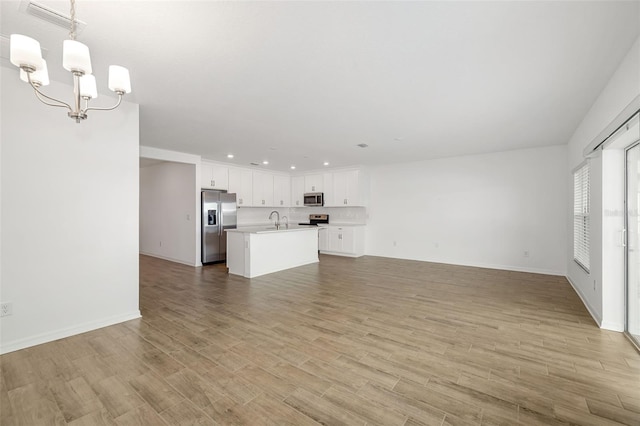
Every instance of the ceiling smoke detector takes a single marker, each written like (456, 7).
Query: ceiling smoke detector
(50, 15)
(362, 145)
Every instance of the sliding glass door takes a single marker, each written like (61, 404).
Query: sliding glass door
(632, 239)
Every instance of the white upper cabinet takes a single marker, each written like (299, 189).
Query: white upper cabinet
(297, 191)
(327, 183)
(346, 190)
(241, 183)
(313, 183)
(281, 191)
(262, 189)
(214, 176)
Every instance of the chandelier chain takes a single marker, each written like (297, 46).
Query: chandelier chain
(72, 34)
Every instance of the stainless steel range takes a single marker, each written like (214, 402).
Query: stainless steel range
(316, 219)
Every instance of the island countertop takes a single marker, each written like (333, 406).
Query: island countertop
(257, 229)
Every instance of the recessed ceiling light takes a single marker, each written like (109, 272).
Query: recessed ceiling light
(326, 163)
(229, 155)
(362, 145)
(265, 162)
(293, 167)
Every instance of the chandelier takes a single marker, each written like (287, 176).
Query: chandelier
(26, 54)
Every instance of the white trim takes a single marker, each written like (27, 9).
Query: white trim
(170, 259)
(608, 131)
(480, 265)
(167, 155)
(66, 332)
(613, 326)
(590, 309)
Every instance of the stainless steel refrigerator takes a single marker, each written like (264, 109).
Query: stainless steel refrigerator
(218, 214)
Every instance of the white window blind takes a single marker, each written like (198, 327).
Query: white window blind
(581, 216)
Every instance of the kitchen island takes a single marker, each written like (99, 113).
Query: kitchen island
(255, 251)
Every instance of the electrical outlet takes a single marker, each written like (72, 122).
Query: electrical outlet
(526, 253)
(395, 243)
(6, 309)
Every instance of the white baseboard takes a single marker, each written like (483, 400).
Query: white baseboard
(590, 309)
(65, 332)
(170, 259)
(481, 265)
(613, 326)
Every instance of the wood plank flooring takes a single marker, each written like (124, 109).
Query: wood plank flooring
(347, 341)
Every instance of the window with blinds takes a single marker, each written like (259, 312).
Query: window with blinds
(581, 216)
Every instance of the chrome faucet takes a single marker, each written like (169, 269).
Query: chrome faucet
(277, 218)
(284, 218)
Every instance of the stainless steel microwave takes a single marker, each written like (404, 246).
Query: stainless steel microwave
(314, 199)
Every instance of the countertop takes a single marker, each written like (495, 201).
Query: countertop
(266, 229)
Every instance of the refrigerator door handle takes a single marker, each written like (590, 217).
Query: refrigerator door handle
(220, 224)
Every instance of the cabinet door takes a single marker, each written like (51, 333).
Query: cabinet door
(220, 177)
(335, 239)
(313, 183)
(213, 176)
(297, 191)
(348, 240)
(346, 191)
(241, 184)
(323, 238)
(206, 176)
(327, 183)
(281, 191)
(262, 189)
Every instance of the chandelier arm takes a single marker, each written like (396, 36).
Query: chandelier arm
(41, 95)
(105, 109)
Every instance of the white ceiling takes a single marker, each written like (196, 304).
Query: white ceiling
(305, 82)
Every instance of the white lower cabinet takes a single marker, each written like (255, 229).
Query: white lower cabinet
(323, 238)
(345, 240)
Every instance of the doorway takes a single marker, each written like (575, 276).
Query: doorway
(632, 240)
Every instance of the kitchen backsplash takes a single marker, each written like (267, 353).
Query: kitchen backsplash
(341, 215)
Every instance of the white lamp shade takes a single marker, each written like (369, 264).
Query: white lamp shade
(25, 51)
(39, 77)
(75, 57)
(88, 86)
(119, 79)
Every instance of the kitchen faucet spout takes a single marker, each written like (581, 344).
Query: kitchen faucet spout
(277, 218)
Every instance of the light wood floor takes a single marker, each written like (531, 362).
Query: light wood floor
(349, 341)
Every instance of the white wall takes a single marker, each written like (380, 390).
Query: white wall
(167, 212)
(602, 289)
(482, 210)
(69, 216)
